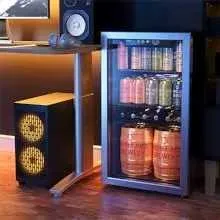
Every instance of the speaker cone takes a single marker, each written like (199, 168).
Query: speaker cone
(76, 25)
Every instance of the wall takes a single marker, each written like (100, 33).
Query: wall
(26, 75)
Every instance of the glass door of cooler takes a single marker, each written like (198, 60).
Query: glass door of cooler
(145, 110)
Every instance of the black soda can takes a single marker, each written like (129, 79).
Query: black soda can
(177, 93)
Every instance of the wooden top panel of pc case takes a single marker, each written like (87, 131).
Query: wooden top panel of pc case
(48, 99)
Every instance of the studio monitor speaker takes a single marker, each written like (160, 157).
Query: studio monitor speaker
(77, 19)
(44, 139)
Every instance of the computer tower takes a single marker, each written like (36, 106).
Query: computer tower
(44, 139)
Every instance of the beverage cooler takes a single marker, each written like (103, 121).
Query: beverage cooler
(145, 110)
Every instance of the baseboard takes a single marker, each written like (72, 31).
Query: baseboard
(7, 143)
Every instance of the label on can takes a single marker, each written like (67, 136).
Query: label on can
(166, 155)
(136, 150)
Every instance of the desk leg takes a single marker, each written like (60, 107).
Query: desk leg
(78, 112)
(79, 174)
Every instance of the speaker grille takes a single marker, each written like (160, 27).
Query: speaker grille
(31, 128)
(32, 160)
(76, 23)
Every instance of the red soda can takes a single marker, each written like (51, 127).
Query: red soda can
(122, 56)
(139, 91)
(126, 90)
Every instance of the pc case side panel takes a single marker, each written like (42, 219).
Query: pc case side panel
(61, 144)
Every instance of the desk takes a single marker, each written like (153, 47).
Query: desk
(82, 56)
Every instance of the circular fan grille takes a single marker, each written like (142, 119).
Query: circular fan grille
(31, 128)
(32, 160)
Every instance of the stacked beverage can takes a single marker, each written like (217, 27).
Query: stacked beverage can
(139, 92)
(122, 56)
(166, 153)
(157, 59)
(167, 59)
(152, 91)
(179, 57)
(165, 92)
(136, 143)
(136, 63)
(146, 59)
(126, 90)
(177, 93)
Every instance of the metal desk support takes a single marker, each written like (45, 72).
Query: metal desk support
(78, 111)
(74, 177)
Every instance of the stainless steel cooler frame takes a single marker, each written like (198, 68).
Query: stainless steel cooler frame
(183, 188)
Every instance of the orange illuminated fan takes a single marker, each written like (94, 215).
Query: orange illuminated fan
(32, 160)
(31, 127)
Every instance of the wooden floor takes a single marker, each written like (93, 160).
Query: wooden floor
(91, 200)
